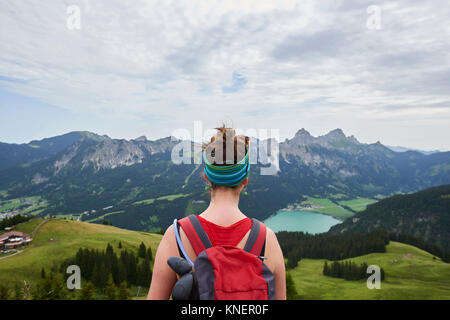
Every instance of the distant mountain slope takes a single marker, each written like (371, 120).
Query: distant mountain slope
(88, 172)
(424, 214)
(18, 154)
(403, 149)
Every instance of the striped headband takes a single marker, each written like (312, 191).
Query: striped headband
(227, 175)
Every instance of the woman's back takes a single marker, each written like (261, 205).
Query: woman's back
(223, 222)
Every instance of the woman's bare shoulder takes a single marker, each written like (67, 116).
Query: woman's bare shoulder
(272, 246)
(168, 242)
(270, 235)
(169, 232)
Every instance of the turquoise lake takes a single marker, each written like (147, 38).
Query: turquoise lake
(306, 221)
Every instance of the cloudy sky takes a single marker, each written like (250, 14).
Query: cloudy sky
(378, 70)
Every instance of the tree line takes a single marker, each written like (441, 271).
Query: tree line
(96, 266)
(12, 221)
(421, 244)
(348, 270)
(299, 245)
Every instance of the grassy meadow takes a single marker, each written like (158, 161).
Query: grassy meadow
(328, 207)
(336, 207)
(358, 204)
(169, 197)
(411, 273)
(59, 239)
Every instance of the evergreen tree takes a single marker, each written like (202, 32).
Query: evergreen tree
(114, 266)
(293, 259)
(42, 273)
(87, 292)
(111, 289)
(121, 273)
(363, 271)
(43, 289)
(144, 274)
(120, 245)
(109, 250)
(98, 276)
(142, 251)
(149, 254)
(334, 271)
(348, 270)
(124, 294)
(58, 288)
(325, 269)
(131, 267)
(89, 260)
(291, 291)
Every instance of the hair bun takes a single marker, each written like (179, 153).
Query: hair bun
(226, 147)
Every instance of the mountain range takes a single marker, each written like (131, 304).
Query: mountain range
(82, 172)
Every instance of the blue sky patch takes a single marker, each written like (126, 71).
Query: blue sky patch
(237, 83)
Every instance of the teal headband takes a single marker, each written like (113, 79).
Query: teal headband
(227, 175)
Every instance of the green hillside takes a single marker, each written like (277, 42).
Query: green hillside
(411, 273)
(59, 239)
(423, 214)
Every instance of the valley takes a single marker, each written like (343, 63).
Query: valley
(79, 174)
(99, 190)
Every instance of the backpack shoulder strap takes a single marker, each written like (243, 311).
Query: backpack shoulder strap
(181, 249)
(195, 233)
(256, 241)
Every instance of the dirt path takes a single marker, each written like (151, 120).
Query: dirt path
(11, 255)
(37, 228)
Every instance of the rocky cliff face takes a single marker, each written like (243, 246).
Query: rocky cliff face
(102, 152)
(332, 151)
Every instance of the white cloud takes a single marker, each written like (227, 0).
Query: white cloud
(307, 64)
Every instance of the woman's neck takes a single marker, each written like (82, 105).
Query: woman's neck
(223, 208)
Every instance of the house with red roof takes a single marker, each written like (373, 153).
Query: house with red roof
(14, 239)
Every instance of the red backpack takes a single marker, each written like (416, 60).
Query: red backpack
(228, 272)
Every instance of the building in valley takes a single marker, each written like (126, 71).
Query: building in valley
(14, 239)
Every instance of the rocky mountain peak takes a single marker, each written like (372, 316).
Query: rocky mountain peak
(303, 137)
(336, 134)
(353, 139)
(302, 132)
(141, 139)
